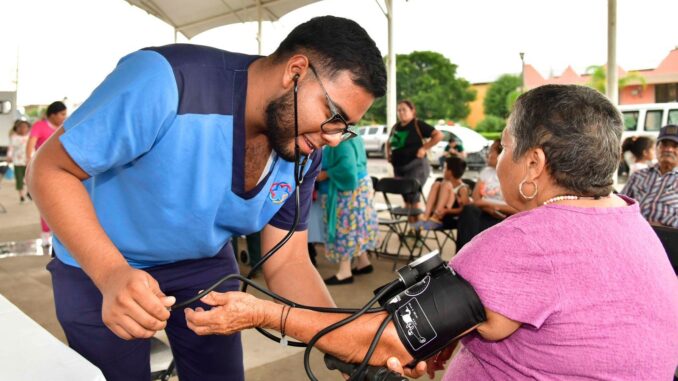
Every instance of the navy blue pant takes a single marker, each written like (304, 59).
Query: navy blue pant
(198, 358)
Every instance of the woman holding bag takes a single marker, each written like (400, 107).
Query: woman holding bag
(406, 148)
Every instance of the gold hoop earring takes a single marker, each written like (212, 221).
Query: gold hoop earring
(522, 194)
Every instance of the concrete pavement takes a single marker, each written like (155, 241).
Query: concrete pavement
(26, 283)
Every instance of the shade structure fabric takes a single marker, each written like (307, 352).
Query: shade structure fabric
(191, 18)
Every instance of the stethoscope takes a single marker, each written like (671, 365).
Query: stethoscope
(299, 168)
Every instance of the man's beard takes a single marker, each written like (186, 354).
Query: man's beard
(280, 125)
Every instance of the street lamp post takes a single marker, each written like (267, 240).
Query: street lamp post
(522, 72)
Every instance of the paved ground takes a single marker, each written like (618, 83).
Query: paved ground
(26, 283)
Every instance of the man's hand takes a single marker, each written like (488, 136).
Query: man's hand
(133, 305)
(232, 312)
(421, 152)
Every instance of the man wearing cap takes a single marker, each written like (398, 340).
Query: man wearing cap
(656, 187)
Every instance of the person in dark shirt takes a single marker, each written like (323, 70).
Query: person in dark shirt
(407, 146)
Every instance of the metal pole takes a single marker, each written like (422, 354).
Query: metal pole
(16, 80)
(176, 35)
(259, 35)
(522, 72)
(612, 82)
(16, 73)
(391, 74)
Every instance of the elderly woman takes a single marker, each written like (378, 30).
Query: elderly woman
(575, 285)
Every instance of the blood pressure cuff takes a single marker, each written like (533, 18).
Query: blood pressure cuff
(435, 311)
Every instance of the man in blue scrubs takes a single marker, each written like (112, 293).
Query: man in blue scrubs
(178, 150)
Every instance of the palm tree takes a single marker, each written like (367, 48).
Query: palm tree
(599, 78)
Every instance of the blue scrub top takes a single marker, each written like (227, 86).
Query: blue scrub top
(163, 140)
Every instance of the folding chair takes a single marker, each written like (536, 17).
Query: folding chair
(450, 223)
(4, 167)
(398, 224)
(378, 206)
(669, 238)
(162, 362)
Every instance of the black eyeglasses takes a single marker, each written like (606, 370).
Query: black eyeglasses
(336, 123)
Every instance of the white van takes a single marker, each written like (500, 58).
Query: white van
(8, 114)
(647, 119)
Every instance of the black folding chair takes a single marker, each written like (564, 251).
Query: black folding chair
(669, 238)
(4, 167)
(162, 362)
(445, 233)
(397, 222)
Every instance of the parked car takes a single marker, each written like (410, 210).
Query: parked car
(8, 114)
(375, 138)
(475, 146)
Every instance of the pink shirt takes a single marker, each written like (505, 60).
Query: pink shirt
(42, 129)
(594, 290)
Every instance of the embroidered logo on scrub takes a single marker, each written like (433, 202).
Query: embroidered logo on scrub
(279, 192)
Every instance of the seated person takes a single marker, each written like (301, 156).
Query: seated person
(489, 207)
(454, 147)
(446, 198)
(642, 150)
(656, 187)
(575, 287)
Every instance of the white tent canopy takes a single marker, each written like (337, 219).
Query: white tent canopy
(191, 18)
(194, 17)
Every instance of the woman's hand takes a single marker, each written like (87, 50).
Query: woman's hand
(421, 152)
(322, 176)
(232, 312)
(394, 365)
(437, 361)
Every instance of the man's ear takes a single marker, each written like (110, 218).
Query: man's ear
(296, 68)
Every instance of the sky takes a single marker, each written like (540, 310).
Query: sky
(65, 48)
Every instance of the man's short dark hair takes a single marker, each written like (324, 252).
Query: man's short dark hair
(578, 129)
(55, 108)
(338, 44)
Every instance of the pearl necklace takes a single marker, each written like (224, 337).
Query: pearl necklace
(560, 198)
(571, 197)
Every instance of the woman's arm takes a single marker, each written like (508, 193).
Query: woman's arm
(30, 148)
(236, 311)
(496, 209)
(436, 136)
(10, 151)
(497, 326)
(478, 194)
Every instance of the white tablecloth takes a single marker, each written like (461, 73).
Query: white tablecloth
(29, 353)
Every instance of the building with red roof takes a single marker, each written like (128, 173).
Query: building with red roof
(661, 85)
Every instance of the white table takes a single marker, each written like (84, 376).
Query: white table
(29, 353)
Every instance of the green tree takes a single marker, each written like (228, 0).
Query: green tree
(599, 78)
(491, 123)
(430, 81)
(511, 99)
(496, 99)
